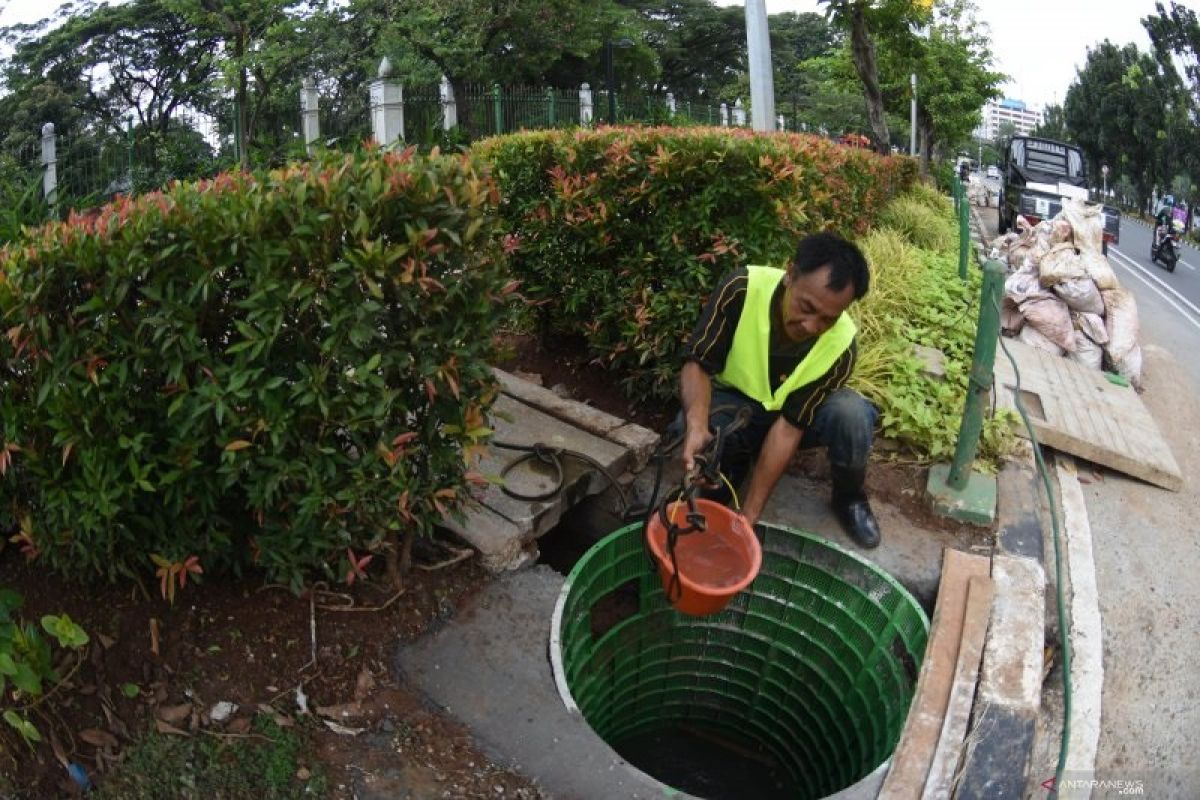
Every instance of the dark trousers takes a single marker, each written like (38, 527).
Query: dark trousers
(844, 423)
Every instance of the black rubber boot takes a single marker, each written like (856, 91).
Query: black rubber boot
(851, 507)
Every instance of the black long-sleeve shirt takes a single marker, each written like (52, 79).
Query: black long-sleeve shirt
(712, 339)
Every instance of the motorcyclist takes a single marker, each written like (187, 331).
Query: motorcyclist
(1162, 219)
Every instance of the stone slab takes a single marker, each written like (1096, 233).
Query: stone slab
(1012, 660)
(489, 668)
(939, 784)
(974, 503)
(1077, 410)
(1020, 532)
(998, 759)
(914, 752)
(499, 525)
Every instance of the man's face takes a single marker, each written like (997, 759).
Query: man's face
(810, 307)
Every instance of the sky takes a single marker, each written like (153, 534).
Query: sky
(1039, 43)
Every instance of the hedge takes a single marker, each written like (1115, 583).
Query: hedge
(262, 369)
(620, 233)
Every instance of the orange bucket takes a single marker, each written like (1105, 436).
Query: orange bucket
(714, 564)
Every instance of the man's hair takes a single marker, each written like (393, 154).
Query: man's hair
(845, 261)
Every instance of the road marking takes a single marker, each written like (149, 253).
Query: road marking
(1145, 276)
(1186, 264)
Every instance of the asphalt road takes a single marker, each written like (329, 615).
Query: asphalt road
(1168, 302)
(1146, 545)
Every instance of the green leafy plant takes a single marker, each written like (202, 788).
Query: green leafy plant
(26, 659)
(262, 369)
(619, 234)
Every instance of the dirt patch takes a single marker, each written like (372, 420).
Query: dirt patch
(240, 642)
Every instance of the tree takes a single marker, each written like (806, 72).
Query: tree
(1122, 109)
(700, 47)
(1053, 125)
(953, 64)
(867, 20)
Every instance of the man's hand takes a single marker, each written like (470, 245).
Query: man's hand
(694, 441)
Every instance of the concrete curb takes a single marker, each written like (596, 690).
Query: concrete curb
(1086, 635)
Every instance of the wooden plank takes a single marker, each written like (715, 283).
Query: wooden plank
(940, 783)
(1076, 409)
(914, 752)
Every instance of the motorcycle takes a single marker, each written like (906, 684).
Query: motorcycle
(1167, 250)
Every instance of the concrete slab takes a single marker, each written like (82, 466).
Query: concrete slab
(501, 526)
(974, 503)
(489, 668)
(1078, 411)
(909, 551)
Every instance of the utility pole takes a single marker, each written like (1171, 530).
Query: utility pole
(762, 84)
(913, 124)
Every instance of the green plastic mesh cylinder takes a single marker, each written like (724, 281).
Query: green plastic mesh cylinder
(815, 664)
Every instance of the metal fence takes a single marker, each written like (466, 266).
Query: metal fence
(45, 173)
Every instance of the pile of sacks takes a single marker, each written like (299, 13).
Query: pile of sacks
(1062, 296)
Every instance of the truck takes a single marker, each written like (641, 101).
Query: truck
(1038, 176)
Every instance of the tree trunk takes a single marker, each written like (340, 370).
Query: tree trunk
(925, 142)
(862, 49)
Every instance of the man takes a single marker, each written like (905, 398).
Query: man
(781, 344)
(1162, 219)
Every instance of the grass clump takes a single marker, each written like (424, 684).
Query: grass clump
(916, 297)
(928, 195)
(920, 224)
(263, 767)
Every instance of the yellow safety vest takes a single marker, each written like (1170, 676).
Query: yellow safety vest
(747, 366)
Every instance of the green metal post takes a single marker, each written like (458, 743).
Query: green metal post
(550, 106)
(955, 190)
(964, 237)
(979, 384)
(498, 108)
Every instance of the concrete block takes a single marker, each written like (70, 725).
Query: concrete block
(975, 503)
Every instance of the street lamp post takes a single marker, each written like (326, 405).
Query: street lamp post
(1104, 175)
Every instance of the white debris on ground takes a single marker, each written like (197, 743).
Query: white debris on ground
(1062, 296)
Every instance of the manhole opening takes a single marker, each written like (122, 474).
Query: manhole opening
(798, 688)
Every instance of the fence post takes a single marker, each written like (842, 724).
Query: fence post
(670, 104)
(50, 166)
(310, 121)
(779, 122)
(739, 113)
(498, 108)
(449, 104)
(387, 106)
(551, 111)
(724, 116)
(585, 104)
(956, 491)
(964, 235)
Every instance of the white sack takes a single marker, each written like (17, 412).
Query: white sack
(1087, 220)
(1096, 265)
(1023, 285)
(1087, 352)
(1052, 319)
(1129, 366)
(1080, 294)
(1062, 263)
(1121, 320)
(1030, 336)
(1091, 326)
(1011, 318)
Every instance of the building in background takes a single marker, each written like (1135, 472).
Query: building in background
(998, 112)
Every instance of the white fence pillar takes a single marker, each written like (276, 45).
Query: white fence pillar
(671, 103)
(310, 118)
(739, 113)
(449, 106)
(387, 106)
(779, 122)
(49, 164)
(585, 105)
(724, 115)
